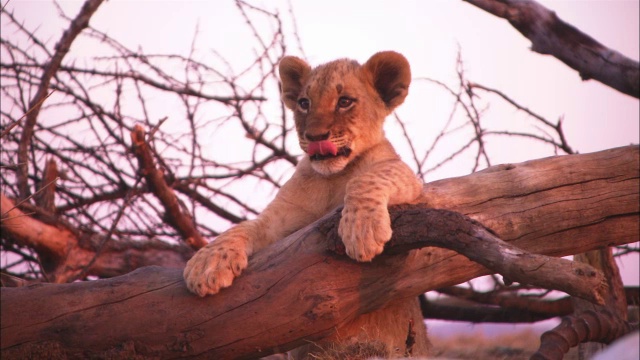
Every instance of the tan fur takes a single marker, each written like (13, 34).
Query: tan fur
(388, 326)
(366, 181)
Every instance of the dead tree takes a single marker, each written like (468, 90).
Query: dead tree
(298, 291)
(114, 214)
(550, 35)
(107, 219)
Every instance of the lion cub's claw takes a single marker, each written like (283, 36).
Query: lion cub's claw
(213, 268)
(364, 232)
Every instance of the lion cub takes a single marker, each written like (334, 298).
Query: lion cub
(339, 109)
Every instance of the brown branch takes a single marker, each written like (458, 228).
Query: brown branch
(465, 304)
(615, 305)
(507, 300)
(296, 291)
(6, 131)
(456, 309)
(95, 165)
(65, 253)
(62, 48)
(510, 191)
(180, 89)
(417, 227)
(105, 240)
(47, 187)
(49, 241)
(551, 35)
(601, 326)
(176, 214)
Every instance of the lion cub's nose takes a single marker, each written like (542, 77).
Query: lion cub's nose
(316, 137)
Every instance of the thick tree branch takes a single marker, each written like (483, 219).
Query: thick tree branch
(601, 326)
(506, 299)
(417, 227)
(50, 241)
(550, 35)
(464, 304)
(296, 291)
(65, 253)
(176, 214)
(457, 309)
(555, 199)
(613, 311)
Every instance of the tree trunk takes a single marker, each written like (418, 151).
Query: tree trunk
(615, 302)
(296, 291)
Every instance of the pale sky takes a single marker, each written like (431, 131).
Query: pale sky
(428, 33)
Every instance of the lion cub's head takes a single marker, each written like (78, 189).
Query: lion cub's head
(339, 107)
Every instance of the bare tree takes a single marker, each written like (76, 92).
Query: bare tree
(551, 35)
(95, 186)
(103, 196)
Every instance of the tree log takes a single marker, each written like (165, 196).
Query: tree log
(296, 291)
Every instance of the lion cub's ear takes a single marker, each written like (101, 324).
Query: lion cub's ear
(293, 73)
(391, 76)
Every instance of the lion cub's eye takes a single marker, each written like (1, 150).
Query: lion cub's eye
(344, 102)
(303, 104)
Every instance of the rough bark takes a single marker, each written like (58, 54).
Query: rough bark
(65, 252)
(601, 326)
(45, 195)
(550, 35)
(176, 215)
(615, 301)
(297, 291)
(418, 227)
(592, 325)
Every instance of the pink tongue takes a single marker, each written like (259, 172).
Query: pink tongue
(324, 147)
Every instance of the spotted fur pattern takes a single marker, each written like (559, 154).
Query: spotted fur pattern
(345, 103)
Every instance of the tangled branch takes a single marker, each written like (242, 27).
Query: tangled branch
(85, 135)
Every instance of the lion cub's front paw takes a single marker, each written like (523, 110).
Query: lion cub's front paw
(364, 231)
(214, 266)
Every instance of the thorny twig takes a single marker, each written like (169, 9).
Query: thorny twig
(97, 170)
(467, 112)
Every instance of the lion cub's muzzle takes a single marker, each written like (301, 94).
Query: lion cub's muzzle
(325, 149)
